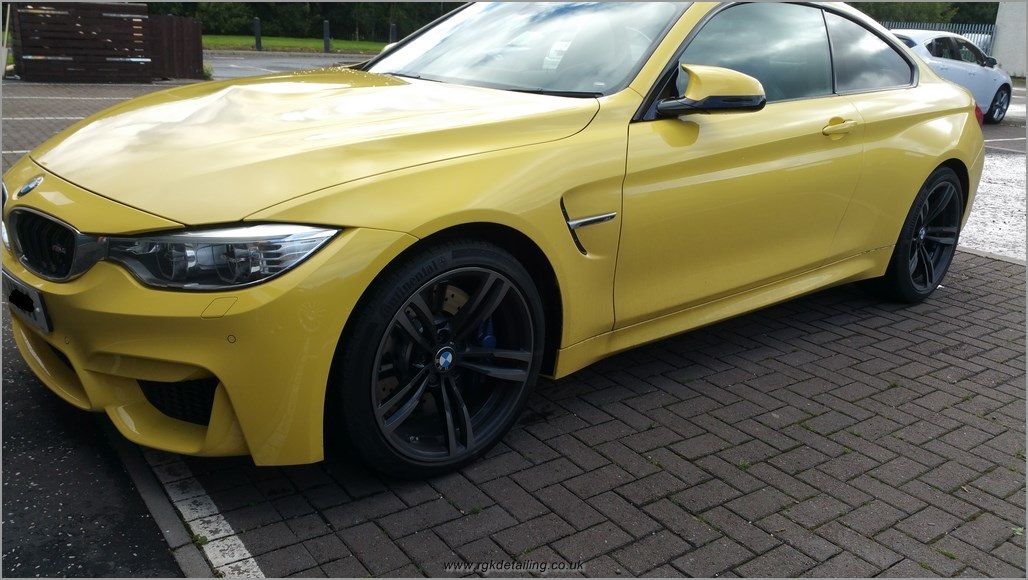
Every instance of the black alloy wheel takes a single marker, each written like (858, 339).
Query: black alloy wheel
(444, 368)
(1000, 104)
(934, 236)
(928, 239)
(453, 362)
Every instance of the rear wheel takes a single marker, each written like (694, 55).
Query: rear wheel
(928, 239)
(1000, 104)
(440, 359)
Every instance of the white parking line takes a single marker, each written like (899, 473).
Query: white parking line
(1004, 149)
(15, 152)
(1010, 139)
(42, 118)
(223, 548)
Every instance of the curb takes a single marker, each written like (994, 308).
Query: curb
(188, 556)
(992, 255)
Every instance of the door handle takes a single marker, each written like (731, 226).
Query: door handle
(839, 128)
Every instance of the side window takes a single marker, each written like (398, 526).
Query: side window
(863, 61)
(943, 47)
(969, 52)
(784, 46)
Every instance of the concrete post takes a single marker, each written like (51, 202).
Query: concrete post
(1008, 44)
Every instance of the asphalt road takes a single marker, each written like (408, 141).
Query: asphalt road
(69, 507)
(229, 65)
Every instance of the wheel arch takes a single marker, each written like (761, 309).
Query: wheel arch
(532, 257)
(523, 248)
(960, 168)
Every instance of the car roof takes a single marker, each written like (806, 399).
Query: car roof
(922, 35)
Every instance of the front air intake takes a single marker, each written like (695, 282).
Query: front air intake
(189, 401)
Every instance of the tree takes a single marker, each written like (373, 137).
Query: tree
(907, 11)
(347, 20)
(976, 12)
(224, 17)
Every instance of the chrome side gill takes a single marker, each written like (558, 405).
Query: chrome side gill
(575, 224)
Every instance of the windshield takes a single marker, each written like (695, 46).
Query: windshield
(589, 48)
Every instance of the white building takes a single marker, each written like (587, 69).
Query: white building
(1008, 47)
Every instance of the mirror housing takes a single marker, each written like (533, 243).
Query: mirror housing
(387, 47)
(990, 62)
(713, 89)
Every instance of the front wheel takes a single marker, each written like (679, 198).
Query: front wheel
(1000, 104)
(439, 360)
(927, 241)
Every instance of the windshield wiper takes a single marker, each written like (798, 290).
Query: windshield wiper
(412, 76)
(557, 93)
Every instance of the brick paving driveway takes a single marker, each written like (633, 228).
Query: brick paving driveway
(834, 435)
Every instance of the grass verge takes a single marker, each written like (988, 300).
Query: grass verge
(285, 44)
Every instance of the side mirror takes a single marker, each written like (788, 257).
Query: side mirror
(990, 62)
(387, 48)
(714, 89)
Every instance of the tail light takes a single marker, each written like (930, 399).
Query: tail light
(978, 114)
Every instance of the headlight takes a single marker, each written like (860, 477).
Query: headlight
(217, 259)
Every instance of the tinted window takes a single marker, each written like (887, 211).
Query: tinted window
(863, 61)
(943, 47)
(784, 46)
(969, 52)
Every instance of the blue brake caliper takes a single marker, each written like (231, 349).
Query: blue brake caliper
(486, 338)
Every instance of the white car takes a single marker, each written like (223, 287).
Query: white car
(957, 59)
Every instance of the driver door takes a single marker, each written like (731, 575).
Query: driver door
(716, 204)
(972, 59)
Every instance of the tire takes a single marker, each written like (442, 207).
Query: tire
(1000, 103)
(929, 236)
(457, 326)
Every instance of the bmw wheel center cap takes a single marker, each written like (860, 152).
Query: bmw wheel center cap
(444, 359)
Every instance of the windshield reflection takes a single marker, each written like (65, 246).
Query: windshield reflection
(576, 49)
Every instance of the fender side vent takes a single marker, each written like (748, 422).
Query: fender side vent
(571, 230)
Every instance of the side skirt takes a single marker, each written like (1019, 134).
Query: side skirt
(862, 266)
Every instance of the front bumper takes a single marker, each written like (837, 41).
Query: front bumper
(268, 348)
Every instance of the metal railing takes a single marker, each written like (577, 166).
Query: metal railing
(980, 34)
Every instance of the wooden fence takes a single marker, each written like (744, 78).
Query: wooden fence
(109, 43)
(176, 47)
(81, 42)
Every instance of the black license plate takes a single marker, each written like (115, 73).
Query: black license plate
(26, 302)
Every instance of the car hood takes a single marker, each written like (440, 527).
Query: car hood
(217, 152)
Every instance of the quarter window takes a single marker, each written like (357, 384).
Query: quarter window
(863, 61)
(784, 46)
(907, 41)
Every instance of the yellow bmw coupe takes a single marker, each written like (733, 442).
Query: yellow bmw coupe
(391, 254)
